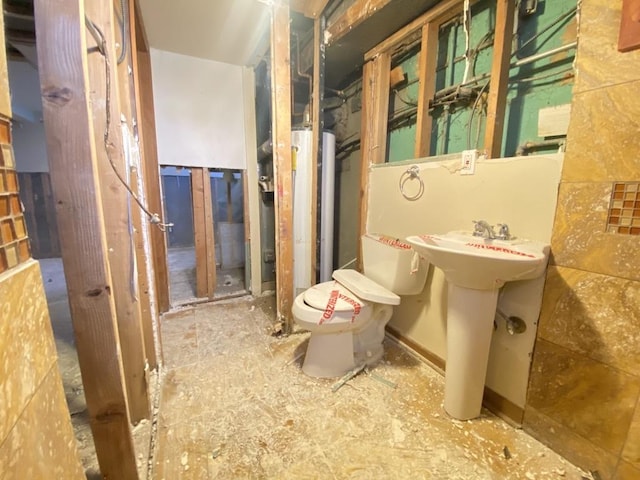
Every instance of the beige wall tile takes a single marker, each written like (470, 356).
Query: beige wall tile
(579, 240)
(566, 442)
(575, 316)
(27, 351)
(599, 62)
(42, 443)
(603, 141)
(631, 451)
(582, 394)
(626, 471)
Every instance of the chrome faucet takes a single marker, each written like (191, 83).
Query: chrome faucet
(483, 229)
(503, 232)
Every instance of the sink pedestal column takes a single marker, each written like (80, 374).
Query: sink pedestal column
(470, 315)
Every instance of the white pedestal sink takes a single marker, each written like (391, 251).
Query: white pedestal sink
(475, 269)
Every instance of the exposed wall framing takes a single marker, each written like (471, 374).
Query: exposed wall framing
(149, 150)
(499, 78)
(375, 88)
(76, 185)
(117, 207)
(203, 232)
(281, 133)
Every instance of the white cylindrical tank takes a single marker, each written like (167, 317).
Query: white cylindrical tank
(301, 142)
(327, 205)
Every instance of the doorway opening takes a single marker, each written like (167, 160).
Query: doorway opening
(182, 209)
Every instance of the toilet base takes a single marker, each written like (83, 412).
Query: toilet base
(329, 355)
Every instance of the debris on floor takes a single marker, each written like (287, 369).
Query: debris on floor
(229, 404)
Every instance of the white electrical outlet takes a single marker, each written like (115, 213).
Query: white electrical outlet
(468, 162)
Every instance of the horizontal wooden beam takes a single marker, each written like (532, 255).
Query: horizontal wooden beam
(357, 13)
(309, 8)
(437, 14)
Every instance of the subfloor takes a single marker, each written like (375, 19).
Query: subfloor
(182, 277)
(234, 404)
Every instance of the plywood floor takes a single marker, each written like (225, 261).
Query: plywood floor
(235, 405)
(182, 277)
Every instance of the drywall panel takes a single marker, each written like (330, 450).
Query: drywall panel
(199, 111)
(519, 191)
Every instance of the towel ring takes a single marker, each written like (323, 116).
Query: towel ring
(412, 173)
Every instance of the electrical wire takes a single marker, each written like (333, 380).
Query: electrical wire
(562, 17)
(466, 24)
(97, 34)
(473, 110)
(123, 30)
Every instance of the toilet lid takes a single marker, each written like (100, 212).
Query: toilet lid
(332, 297)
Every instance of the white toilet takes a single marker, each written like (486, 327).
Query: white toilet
(347, 316)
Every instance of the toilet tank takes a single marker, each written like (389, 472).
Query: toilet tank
(392, 263)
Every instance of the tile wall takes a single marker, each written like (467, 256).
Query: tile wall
(585, 381)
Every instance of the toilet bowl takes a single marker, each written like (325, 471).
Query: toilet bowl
(347, 316)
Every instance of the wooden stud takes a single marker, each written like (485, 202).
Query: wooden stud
(117, 208)
(252, 198)
(358, 12)
(396, 76)
(316, 141)
(142, 239)
(375, 116)
(281, 131)
(147, 133)
(427, 87)
(246, 213)
(210, 242)
(60, 27)
(203, 232)
(497, 101)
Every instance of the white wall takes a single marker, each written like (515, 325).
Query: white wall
(199, 108)
(519, 191)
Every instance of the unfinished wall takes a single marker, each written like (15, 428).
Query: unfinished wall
(518, 191)
(36, 438)
(585, 381)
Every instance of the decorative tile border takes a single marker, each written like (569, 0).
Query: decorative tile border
(624, 209)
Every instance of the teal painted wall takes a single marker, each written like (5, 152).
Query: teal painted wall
(546, 82)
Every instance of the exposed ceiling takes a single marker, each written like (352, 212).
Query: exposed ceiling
(228, 31)
(235, 31)
(345, 55)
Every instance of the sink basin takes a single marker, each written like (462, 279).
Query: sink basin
(475, 269)
(479, 263)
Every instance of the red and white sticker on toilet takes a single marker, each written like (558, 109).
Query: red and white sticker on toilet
(330, 308)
